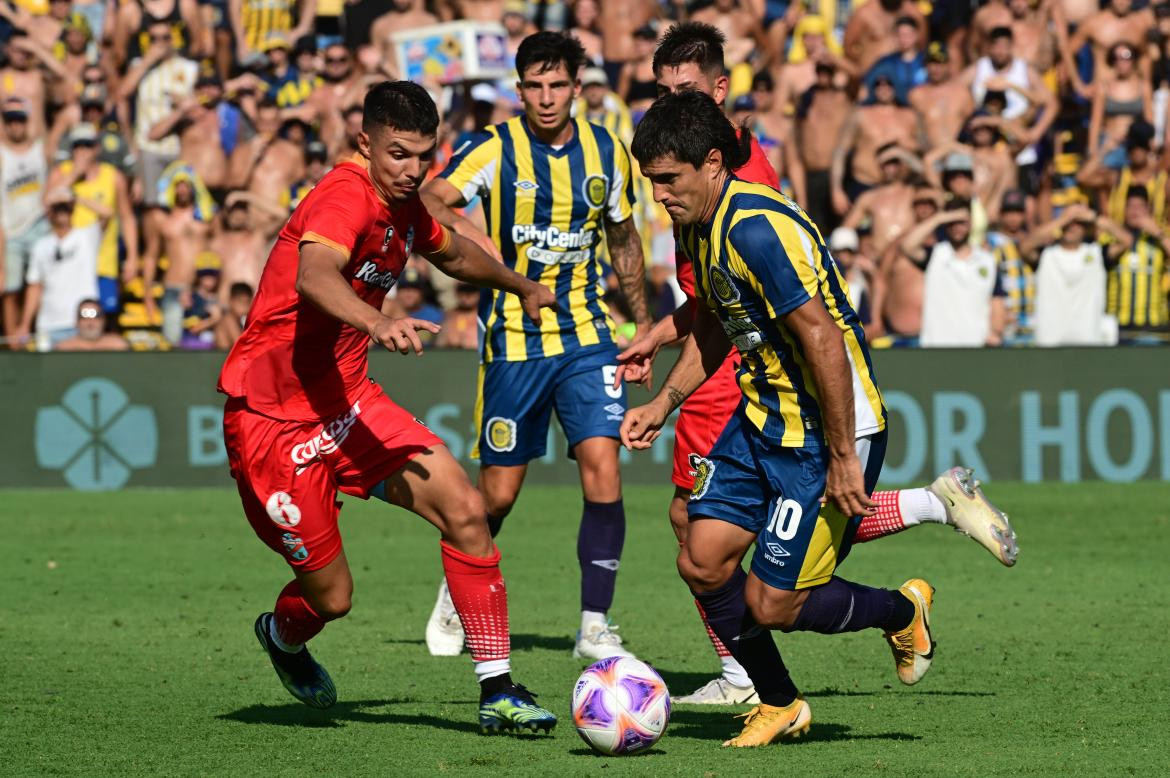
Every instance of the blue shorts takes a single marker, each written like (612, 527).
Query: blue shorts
(776, 493)
(516, 400)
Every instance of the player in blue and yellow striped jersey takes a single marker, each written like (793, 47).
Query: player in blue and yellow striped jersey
(1138, 285)
(551, 186)
(811, 424)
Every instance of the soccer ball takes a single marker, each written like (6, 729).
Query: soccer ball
(620, 706)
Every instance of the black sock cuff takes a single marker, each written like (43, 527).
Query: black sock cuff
(734, 586)
(609, 511)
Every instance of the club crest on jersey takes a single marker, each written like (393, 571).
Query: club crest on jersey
(595, 189)
(295, 546)
(501, 434)
(722, 286)
(702, 469)
(386, 238)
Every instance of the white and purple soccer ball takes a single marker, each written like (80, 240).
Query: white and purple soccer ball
(620, 706)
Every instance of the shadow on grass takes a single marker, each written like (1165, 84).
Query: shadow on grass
(359, 711)
(595, 755)
(718, 726)
(682, 683)
(527, 642)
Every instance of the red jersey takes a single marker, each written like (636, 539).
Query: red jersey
(293, 361)
(757, 170)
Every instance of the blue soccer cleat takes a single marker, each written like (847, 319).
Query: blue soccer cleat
(513, 709)
(299, 672)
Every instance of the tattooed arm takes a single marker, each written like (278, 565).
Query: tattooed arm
(702, 353)
(625, 252)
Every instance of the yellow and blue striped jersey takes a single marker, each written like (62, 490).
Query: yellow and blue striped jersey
(546, 210)
(1138, 286)
(1019, 282)
(759, 258)
(613, 116)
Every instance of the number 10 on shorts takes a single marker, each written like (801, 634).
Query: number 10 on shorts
(785, 519)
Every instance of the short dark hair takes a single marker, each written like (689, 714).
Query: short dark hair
(1137, 192)
(1000, 32)
(905, 21)
(403, 105)
(547, 49)
(687, 126)
(239, 288)
(691, 42)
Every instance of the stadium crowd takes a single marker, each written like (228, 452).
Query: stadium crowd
(984, 174)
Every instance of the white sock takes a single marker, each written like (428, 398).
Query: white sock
(734, 673)
(491, 668)
(919, 505)
(589, 618)
(285, 647)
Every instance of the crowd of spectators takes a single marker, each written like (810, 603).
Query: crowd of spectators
(985, 174)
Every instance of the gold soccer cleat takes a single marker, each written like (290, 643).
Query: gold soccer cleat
(913, 647)
(971, 513)
(766, 724)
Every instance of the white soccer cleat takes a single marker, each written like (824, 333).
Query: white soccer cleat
(599, 640)
(971, 513)
(720, 691)
(444, 629)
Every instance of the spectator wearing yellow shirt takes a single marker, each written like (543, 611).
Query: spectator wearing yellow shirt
(102, 197)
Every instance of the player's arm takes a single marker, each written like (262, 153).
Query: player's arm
(465, 260)
(625, 253)
(634, 364)
(471, 171)
(702, 353)
(824, 353)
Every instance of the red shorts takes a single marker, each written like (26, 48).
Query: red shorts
(702, 417)
(289, 472)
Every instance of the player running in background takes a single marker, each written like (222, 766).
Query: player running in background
(551, 185)
(303, 420)
(690, 58)
(811, 424)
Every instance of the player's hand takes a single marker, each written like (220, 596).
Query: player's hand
(642, 426)
(401, 334)
(533, 297)
(845, 486)
(635, 364)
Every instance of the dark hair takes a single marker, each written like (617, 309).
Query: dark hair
(403, 105)
(687, 126)
(905, 21)
(238, 288)
(547, 49)
(999, 32)
(691, 43)
(1137, 192)
(958, 204)
(1111, 55)
(763, 80)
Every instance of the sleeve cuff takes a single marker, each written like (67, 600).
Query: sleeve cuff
(314, 237)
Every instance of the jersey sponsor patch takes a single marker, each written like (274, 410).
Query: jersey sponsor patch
(702, 469)
(501, 434)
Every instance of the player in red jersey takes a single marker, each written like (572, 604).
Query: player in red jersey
(303, 419)
(690, 58)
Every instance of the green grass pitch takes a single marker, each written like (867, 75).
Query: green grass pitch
(126, 630)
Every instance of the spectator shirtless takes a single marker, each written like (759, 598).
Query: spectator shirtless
(821, 114)
(241, 247)
(267, 164)
(943, 102)
(29, 67)
(472, 10)
(796, 78)
(180, 236)
(400, 15)
(869, 128)
(899, 291)
(743, 30)
(1116, 23)
(196, 121)
(889, 207)
(869, 35)
(619, 19)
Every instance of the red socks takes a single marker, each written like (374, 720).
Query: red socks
(296, 622)
(887, 521)
(477, 590)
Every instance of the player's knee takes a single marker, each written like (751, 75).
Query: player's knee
(498, 499)
(465, 513)
(333, 604)
(774, 608)
(700, 575)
